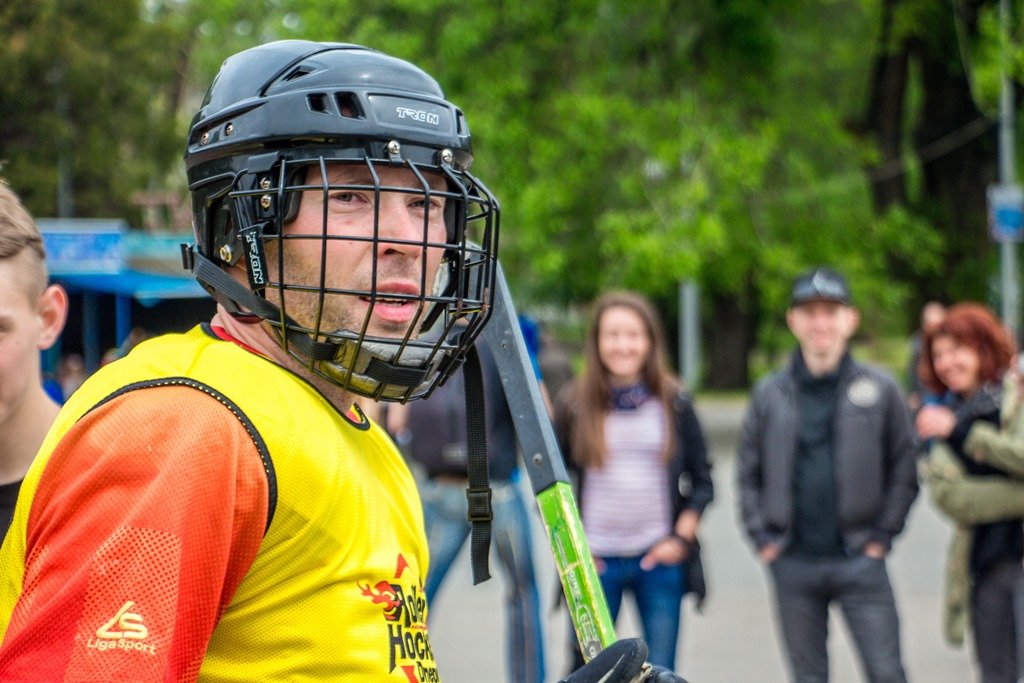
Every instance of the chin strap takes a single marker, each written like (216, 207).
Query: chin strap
(478, 493)
(366, 367)
(232, 295)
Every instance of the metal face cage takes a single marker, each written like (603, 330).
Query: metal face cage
(350, 292)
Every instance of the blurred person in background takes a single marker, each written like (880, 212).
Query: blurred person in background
(555, 362)
(32, 316)
(531, 331)
(826, 474)
(965, 360)
(71, 373)
(932, 314)
(631, 437)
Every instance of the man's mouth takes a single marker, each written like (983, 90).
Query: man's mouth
(393, 294)
(397, 303)
(382, 301)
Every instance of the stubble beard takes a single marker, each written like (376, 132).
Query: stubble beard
(337, 313)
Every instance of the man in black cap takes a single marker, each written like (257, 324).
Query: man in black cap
(826, 476)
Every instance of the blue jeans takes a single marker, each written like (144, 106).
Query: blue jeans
(444, 512)
(658, 593)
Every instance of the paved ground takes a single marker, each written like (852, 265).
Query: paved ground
(734, 640)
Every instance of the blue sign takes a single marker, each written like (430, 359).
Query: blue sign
(1006, 212)
(84, 246)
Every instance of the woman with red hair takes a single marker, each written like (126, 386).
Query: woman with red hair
(964, 361)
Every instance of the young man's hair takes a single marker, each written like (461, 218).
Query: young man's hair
(20, 239)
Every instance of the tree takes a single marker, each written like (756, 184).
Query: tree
(729, 142)
(640, 145)
(937, 165)
(84, 102)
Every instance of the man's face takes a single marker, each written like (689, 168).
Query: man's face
(404, 266)
(822, 327)
(21, 337)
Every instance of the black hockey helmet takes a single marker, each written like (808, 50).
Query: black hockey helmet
(275, 121)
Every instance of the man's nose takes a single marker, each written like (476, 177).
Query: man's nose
(398, 226)
(822, 320)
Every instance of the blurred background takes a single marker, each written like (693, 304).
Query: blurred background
(700, 151)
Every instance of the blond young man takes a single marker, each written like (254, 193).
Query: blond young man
(32, 315)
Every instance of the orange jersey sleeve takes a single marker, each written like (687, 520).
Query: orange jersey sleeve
(145, 520)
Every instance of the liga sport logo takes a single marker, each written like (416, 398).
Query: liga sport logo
(124, 631)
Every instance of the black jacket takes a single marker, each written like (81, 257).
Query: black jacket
(876, 468)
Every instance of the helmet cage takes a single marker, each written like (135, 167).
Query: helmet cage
(274, 112)
(262, 204)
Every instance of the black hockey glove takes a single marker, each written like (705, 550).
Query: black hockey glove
(621, 662)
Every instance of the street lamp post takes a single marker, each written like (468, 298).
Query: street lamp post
(1007, 180)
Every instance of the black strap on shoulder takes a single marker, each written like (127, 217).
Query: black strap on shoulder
(230, 293)
(478, 494)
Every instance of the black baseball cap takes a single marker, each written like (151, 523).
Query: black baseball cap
(820, 284)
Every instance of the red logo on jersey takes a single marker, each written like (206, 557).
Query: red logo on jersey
(405, 612)
(384, 594)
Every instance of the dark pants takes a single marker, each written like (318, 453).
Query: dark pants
(804, 589)
(1018, 618)
(994, 622)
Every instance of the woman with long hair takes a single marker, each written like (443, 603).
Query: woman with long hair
(633, 440)
(964, 360)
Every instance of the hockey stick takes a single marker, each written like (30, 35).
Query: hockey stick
(548, 477)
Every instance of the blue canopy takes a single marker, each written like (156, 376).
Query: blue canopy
(146, 288)
(96, 256)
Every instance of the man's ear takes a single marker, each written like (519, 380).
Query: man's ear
(789, 319)
(53, 312)
(854, 320)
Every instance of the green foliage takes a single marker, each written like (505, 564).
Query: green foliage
(997, 49)
(85, 83)
(632, 144)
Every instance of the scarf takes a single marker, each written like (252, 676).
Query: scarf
(630, 397)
